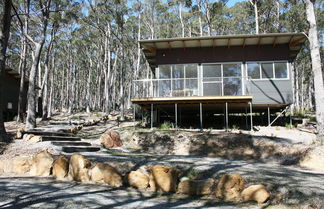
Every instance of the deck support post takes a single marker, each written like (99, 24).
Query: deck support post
(251, 117)
(176, 115)
(152, 116)
(246, 119)
(269, 120)
(290, 115)
(201, 118)
(226, 115)
(134, 119)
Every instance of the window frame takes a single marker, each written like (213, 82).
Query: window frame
(273, 70)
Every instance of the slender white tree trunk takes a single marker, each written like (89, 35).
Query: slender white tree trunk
(316, 66)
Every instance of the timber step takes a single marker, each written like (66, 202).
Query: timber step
(60, 138)
(45, 133)
(71, 149)
(70, 143)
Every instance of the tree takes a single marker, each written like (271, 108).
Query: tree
(4, 37)
(256, 15)
(316, 65)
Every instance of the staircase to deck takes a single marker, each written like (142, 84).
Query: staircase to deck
(66, 141)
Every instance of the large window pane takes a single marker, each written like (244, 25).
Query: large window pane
(281, 70)
(267, 70)
(212, 89)
(191, 71)
(213, 70)
(191, 88)
(165, 88)
(165, 71)
(178, 71)
(253, 70)
(231, 70)
(232, 86)
(177, 88)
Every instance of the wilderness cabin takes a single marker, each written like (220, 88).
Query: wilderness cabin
(218, 81)
(11, 94)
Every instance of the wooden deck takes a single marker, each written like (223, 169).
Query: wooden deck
(192, 100)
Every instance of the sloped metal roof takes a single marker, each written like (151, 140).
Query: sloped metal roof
(294, 40)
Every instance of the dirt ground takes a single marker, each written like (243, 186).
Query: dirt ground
(280, 158)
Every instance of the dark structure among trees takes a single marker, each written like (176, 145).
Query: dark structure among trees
(11, 92)
(214, 81)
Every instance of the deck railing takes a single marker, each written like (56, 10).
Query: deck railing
(186, 87)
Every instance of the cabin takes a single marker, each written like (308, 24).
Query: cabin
(219, 81)
(11, 93)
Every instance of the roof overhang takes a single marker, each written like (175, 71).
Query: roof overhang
(294, 41)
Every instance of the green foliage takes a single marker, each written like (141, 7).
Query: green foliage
(300, 113)
(312, 118)
(166, 125)
(235, 127)
(192, 173)
(289, 126)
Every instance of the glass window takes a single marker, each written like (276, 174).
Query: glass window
(267, 70)
(231, 70)
(165, 71)
(253, 70)
(213, 70)
(165, 88)
(212, 89)
(232, 86)
(191, 71)
(281, 70)
(178, 71)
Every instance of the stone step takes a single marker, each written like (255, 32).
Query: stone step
(71, 149)
(70, 143)
(60, 138)
(45, 133)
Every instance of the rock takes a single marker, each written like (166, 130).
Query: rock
(258, 193)
(230, 187)
(42, 164)
(138, 179)
(35, 139)
(27, 137)
(103, 172)
(17, 165)
(79, 167)
(313, 159)
(165, 178)
(196, 187)
(19, 133)
(60, 167)
(111, 139)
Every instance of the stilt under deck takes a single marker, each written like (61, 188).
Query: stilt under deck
(205, 110)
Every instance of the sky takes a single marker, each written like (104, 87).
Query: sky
(232, 2)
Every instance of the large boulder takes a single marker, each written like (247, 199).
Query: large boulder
(104, 173)
(19, 133)
(42, 164)
(60, 167)
(229, 187)
(164, 178)
(111, 139)
(258, 193)
(196, 187)
(17, 165)
(79, 167)
(138, 179)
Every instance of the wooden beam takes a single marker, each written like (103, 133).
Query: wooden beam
(214, 42)
(259, 41)
(274, 41)
(229, 43)
(183, 45)
(296, 42)
(169, 45)
(244, 42)
(291, 38)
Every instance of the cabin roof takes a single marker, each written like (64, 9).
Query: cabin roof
(294, 40)
(14, 73)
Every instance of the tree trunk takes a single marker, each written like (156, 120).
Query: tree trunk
(4, 37)
(31, 95)
(181, 19)
(256, 16)
(316, 66)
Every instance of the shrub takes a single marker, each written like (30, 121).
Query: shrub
(166, 125)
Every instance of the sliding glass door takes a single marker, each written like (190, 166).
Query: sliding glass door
(221, 79)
